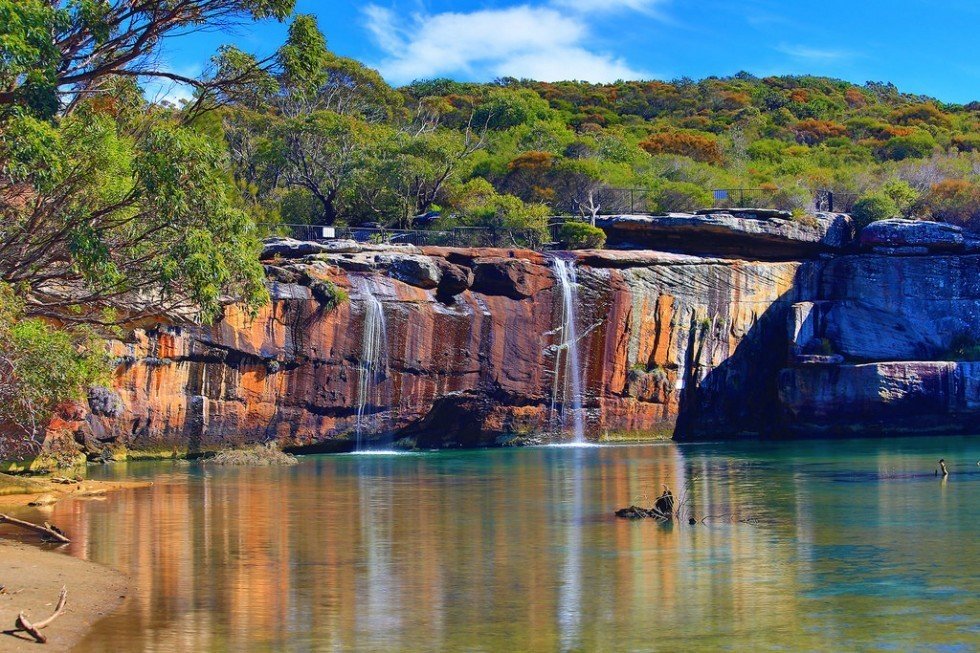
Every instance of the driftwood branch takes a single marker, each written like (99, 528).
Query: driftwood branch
(34, 630)
(47, 530)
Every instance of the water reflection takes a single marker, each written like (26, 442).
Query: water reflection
(572, 496)
(851, 545)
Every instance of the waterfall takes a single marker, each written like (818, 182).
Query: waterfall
(568, 373)
(373, 365)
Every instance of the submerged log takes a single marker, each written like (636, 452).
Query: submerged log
(48, 531)
(663, 509)
(633, 512)
(34, 629)
(636, 512)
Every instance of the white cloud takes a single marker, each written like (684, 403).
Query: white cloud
(567, 63)
(593, 6)
(538, 42)
(384, 28)
(813, 54)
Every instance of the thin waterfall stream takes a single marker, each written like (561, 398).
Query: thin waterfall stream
(373, 364)
(568, 369)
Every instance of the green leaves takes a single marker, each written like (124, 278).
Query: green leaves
(94, 17)
(581, 235)
(129, 212)
(31, 152)
(42, 366)
(205, 247)
(92, 258)
(278, 9)
(873, 207)
(53, 52)
(479, 205)
(304, 56)
(27, 54)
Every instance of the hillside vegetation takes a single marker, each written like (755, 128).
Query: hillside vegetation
(508, 153)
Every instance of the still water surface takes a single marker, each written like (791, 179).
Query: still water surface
(848, 546)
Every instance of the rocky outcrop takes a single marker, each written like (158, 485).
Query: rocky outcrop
(741, 233)
(885, 341)
(901, 236)
(878, 308)
(902, 397)
(289, 248)
(472, 352)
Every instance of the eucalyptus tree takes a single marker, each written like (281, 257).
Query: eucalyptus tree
(55, 53)
(112, 209)
(309, 124)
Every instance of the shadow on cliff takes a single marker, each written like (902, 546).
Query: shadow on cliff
(739, 397)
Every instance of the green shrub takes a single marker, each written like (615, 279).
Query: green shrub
(298, 206)
(478, 204)
(581, 235)
(327, 293)
(41, 366)
(679, 196)
(901, 193)
(873, 207)
(768, 150)
(913, 146)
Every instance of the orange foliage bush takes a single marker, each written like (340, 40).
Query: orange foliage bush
(952, 200)
(700, 147)
(855, 98)
(814, 131)
(892, 131)
(918, 114)
(532, 161)
(735, 100)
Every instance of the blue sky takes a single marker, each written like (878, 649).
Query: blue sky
(922, 46)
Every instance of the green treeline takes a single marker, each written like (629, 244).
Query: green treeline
(508, 153)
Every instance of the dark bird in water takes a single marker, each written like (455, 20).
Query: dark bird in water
(665, 503)
(942, 467)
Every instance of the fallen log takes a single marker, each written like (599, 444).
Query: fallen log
(633, 512)
(34, 630)
(636, 512)
(53, 533)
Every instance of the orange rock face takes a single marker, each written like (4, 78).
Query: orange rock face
(659, 334)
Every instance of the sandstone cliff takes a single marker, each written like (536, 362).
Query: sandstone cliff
(438, 347)
(472, 348)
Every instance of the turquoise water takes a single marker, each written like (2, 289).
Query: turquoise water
(852, 545)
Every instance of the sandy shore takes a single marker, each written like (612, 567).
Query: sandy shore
(17, 492)
(32, 578)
